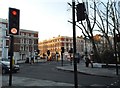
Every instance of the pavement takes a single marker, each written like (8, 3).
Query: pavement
(97, 70)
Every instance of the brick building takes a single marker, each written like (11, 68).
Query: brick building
(25, 44)
(55, 44)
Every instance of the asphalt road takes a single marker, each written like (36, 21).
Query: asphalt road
(48, 71)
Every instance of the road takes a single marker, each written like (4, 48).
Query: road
(48, 71)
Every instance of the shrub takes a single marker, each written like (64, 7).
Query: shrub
(107, 56)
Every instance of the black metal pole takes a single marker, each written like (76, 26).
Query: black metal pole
(70, 59)
(11, 58)
(85, 47)
(115, 49)
(61, 59)
(74, 45)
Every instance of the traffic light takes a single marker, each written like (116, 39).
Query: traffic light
(14, 16)
(80, 11)
(62, 49)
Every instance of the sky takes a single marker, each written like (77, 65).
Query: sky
(48, 17)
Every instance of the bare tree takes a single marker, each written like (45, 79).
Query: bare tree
(105, 19)
(108, 22)
(88, 31)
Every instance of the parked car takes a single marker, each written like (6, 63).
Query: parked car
(5, 64)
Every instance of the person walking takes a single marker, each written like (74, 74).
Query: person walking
(27, 60)
(91, 58)
(32, 60)
(79, 58)
(87, 61)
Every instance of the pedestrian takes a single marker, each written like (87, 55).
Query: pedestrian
(91, 58)
(27, 60)
(87, 61)
(32, 60)
(79, 58)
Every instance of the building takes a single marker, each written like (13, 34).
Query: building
(25, 44)
(55, 44)
(3, 38)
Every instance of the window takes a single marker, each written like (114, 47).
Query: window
(62, 39)
(62, 44)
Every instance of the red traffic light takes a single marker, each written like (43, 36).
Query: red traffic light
(14, 21)
(14, 12)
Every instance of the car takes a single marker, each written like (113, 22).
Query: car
(5, 64)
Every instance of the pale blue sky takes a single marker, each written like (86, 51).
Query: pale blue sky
(48, 17)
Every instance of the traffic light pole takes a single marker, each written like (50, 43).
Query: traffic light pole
(61, 59)
(115, 51)
(13, 30)
(74, 45)
(11, 58)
